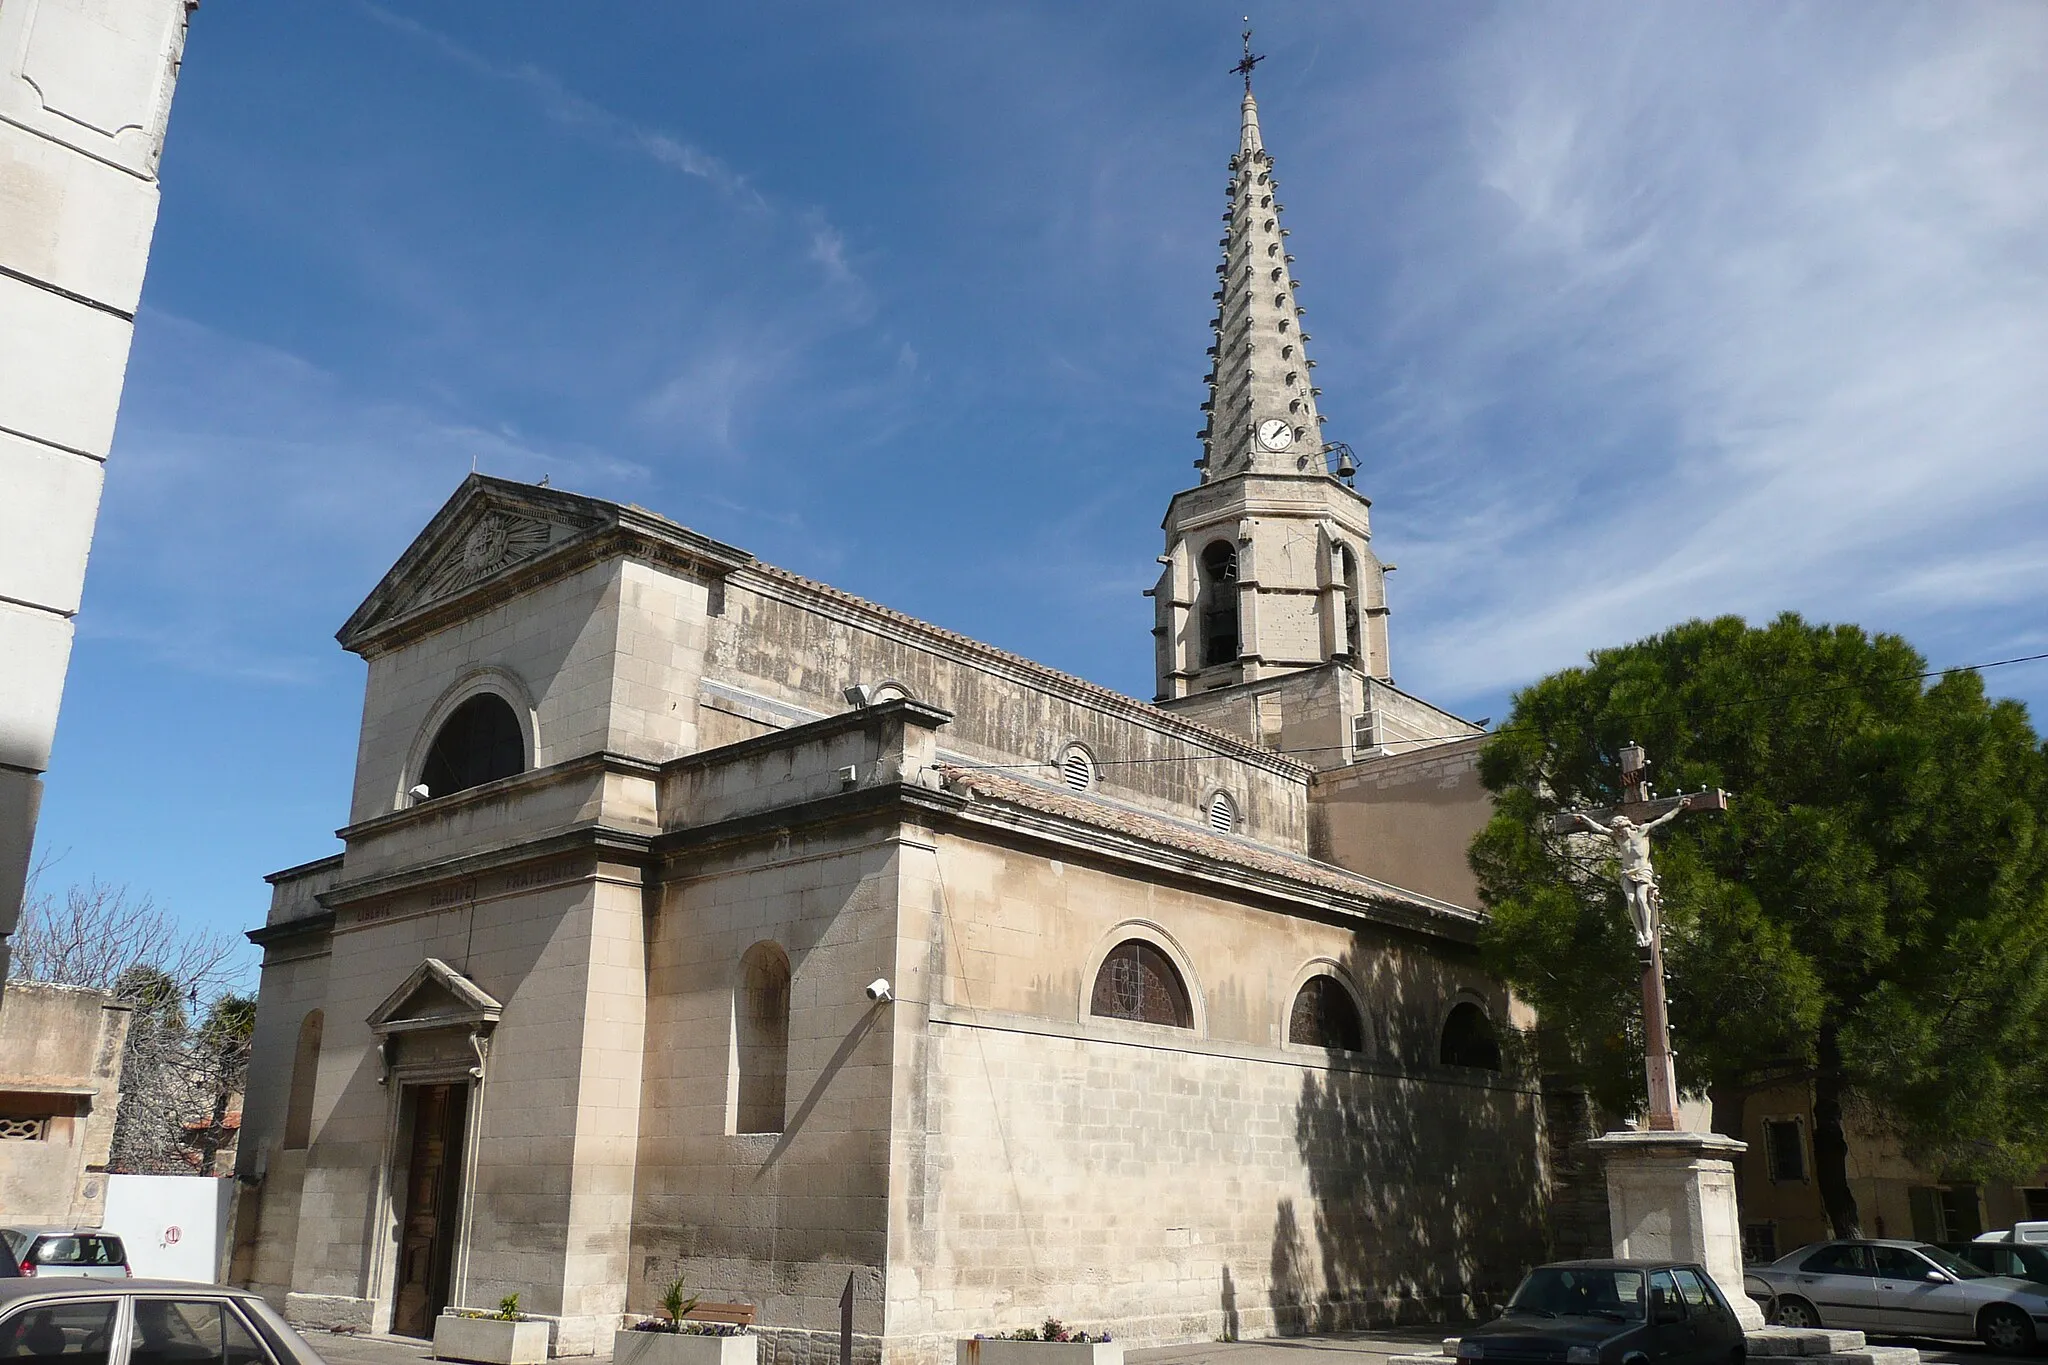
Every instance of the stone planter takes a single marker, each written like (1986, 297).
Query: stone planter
(682, 1348)
(992, 1351)
(490, 1341)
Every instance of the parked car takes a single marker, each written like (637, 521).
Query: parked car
(66, 1251)
(143, 1322)
(1909, 1288)
(2020, 1261)
(1612, 1313)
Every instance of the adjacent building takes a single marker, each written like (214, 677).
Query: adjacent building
(85, 92)
(60, 1094)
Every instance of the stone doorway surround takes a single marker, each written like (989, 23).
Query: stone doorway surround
(434, 1030)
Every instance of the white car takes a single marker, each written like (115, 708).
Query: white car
(2032, 1234)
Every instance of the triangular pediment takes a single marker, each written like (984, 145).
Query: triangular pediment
(495, 536)
(488, 530)
(435, 996)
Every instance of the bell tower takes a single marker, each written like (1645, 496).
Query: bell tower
(1269, 568)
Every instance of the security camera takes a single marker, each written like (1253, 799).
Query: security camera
(419, 792)
(878, 990)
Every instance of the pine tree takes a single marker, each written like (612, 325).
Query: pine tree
(1871, 915)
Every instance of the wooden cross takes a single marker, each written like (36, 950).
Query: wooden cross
(1627, 825)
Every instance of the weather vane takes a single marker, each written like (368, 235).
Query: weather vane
(1244, 68)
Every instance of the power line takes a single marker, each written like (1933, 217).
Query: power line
(1503, 729)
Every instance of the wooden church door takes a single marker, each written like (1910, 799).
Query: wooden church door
(433, 1178)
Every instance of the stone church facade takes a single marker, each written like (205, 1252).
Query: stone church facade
(699, 921)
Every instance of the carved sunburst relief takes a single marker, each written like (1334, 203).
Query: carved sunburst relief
(497, 539)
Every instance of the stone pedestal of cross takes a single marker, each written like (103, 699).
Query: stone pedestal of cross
(1627, 826)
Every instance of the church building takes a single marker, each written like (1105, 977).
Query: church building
(697, 921)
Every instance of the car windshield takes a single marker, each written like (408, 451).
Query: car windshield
(1581, 1292)
(1952, 1263)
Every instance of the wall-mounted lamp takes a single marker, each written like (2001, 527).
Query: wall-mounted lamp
(419, 792)
(858, 694)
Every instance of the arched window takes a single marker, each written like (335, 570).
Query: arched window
(481, 742)
(761, 1020)
(298, 1111)
(1469, 1039)
(1325, 1015)
(1347, 568)
(1138, 981)
(1219, 603)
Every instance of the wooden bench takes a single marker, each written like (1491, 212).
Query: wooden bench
(732, 1314)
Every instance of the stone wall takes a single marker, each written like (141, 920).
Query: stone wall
(778, 1219)
(1405, 818)
(794, 643)
(555, 1125)
(1049, 1161)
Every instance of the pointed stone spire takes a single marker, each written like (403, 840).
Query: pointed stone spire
(1262, 400)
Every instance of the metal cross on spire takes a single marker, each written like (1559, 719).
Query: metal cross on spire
(1627, 826)
(1244, 68)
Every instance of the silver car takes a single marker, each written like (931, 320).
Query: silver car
(1902, 1288)
(85, 1252)
(143, 1322)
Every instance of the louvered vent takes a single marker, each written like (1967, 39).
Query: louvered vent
(1222, 813)
(1078, 769)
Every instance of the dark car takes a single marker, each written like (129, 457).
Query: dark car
(77, 1321)
(1612, 1313)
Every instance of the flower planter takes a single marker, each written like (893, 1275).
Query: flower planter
(490, 1341)
(996, 1351)
(682, 1348)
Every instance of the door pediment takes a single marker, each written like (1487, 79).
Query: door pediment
(435, 996)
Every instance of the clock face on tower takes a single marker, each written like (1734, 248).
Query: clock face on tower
(1275, 434)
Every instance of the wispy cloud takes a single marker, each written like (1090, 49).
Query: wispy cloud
(572, 110)
(1769, 302)
(248, 486)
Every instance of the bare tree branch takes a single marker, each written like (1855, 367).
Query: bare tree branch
(97, 932)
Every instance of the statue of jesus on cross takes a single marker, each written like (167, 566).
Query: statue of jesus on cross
(1627, 826)
(1632, 848)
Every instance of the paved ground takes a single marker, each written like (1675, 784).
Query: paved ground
(1339, 1348)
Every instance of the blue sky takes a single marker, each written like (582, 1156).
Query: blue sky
(1634, 312)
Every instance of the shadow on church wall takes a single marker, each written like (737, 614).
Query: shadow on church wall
(1427, 1196)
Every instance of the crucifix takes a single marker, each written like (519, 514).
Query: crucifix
(1627, 826)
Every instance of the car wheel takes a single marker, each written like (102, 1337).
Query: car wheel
(1797, 1314)
(2006, 1330)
